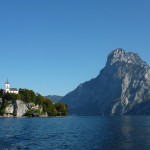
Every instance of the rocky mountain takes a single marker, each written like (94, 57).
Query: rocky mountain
(54, 98)
(121, 88)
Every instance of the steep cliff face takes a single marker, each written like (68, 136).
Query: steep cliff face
(10, 108)
(121, 88)
(19, 108)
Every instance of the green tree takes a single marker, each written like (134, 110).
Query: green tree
(39, 99)
(11, 96)
(29, 113)
(61, 108)
(27, 95)
(1, 93)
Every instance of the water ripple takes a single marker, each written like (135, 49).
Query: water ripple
(75, 133)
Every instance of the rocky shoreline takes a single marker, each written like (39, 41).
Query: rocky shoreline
(18, 108)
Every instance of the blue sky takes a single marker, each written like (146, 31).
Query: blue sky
(51, 46)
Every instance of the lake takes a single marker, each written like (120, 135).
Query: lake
(75, 133)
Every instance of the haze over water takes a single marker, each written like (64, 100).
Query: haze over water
(75, 133)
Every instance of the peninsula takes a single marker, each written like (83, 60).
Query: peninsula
(27, 103)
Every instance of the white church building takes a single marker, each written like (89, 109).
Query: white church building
(10, 90)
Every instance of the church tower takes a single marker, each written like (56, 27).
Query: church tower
(7, 86)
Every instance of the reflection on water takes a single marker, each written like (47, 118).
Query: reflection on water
(75, 133)
(128, 133)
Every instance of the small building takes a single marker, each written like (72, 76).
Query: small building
(10, 90)
(35, 115)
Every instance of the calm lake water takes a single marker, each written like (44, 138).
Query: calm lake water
(75, 133)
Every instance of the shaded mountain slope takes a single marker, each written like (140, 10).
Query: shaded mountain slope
(121, 88)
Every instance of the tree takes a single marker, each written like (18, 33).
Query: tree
(11, 96)
(1, 93)
(61, 108)
(27, 95)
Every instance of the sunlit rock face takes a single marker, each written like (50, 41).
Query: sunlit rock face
(121, 88)
(18, 108)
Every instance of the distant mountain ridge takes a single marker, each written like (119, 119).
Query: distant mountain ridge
(54, 98)
(121, 88)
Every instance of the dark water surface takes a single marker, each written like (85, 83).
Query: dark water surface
(75, 133)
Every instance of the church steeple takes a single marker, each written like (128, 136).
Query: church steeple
(7, 86)
(7, 82)
(10, 90)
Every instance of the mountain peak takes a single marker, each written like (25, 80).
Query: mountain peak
(120, 55)
(121, 88)
(118, 51)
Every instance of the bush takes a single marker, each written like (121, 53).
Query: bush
(29, 113)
